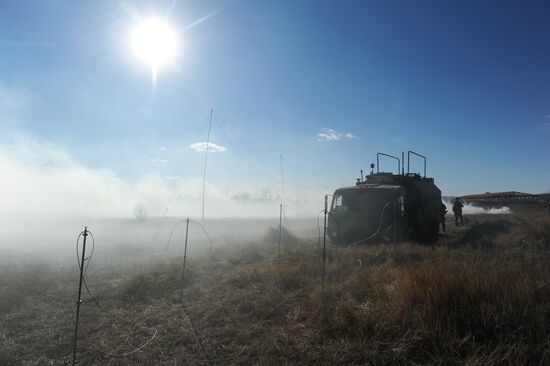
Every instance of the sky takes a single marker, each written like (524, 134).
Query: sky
(305, 91)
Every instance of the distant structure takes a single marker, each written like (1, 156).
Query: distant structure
(511, 198)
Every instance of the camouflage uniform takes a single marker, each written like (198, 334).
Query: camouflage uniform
(442, 215)
(457, 210)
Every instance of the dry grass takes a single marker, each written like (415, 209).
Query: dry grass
(483, 298)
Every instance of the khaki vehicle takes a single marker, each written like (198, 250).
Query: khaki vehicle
(386, 207)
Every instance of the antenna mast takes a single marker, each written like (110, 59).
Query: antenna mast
(282, 182)
(205, 160)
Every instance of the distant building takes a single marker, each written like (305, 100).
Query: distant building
(511, 198)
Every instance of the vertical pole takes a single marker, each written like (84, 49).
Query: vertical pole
(324, 244)
(282, 180)
(282, 203)
(424, 167)
(79, 301)
(184, 258)
(205, 160)
(280, 227)
(394, 221)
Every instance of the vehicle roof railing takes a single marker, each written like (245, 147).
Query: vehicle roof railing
(389, 156)
(409, 161)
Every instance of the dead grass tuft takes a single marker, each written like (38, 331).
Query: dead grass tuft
(146, 286)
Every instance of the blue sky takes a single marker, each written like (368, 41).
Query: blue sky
(464, 82)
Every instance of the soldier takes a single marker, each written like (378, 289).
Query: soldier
(442, 213)
(457, 210)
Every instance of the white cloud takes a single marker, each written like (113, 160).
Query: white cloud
(157, 160)
(162, 148)
(547, 116)
(212, 147)
(12, 102)
(547, 125)
(328, 134)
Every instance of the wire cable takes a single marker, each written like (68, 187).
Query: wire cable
(195, 222)
(377, 230)
(205, 233)
(319, 229)
(171, 233)
(249, 161)
(89, 258)
(177, 185)
(360, 241)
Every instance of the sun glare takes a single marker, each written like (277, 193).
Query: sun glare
(155, 43)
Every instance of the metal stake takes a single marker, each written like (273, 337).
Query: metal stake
(79, 301)
(184, 258)
(394, 222)
(324, 244)
(280, 227)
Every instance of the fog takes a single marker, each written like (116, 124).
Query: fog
(48, 198)
(132, 241)
(42, 180)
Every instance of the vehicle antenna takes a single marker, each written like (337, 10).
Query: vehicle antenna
(282, 184)
(205, 160)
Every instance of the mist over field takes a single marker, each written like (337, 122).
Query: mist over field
(47, 199)
(120, 239)
(43, 180)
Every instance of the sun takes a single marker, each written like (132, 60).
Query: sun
(155, 43)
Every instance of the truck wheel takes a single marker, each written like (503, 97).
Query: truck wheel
(433, 232)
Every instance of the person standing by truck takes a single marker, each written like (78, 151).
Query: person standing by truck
(442, 213)
(457, 210)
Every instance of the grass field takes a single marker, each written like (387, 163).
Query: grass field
(479, 297)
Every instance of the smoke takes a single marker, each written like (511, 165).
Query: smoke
(48, 197)
(43, 180)
(470, 209)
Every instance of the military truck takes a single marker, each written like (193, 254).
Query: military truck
(387, 207)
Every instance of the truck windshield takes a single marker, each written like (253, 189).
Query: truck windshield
(360, 202)
(350, 202)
